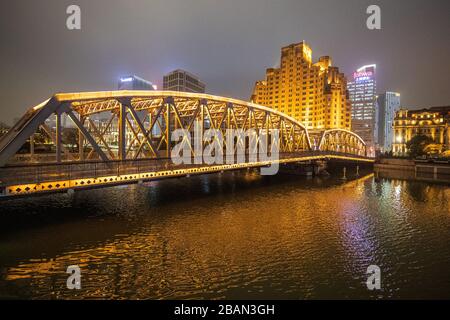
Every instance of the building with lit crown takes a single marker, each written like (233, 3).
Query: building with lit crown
(388, 104)
(362, 93)
(313, 93)
(181, 80)
(432, 122)
(135, 83)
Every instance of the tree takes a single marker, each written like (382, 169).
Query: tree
(70, 137)
(417, 145)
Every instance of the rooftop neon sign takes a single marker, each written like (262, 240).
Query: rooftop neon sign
(129, 79)
(362, 74)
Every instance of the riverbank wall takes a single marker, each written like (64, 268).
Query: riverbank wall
(420, 170)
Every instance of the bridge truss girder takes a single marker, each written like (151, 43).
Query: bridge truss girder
(344, 141)
(124, 125)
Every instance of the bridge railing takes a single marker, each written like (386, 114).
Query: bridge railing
(40, 173)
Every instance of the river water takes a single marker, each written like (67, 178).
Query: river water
(231, 236)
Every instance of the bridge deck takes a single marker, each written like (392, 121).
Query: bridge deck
(44, 178)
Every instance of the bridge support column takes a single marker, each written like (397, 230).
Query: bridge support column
(168, 138)
(81, 140)
(32, 147)
(169, 103)
(316, 170)
(344, 171)
(122, 132)
(58, 137)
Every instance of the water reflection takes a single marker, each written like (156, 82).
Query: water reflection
(234, 235)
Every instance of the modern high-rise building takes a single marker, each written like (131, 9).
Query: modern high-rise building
(388, 104)
(312, 93)
(135, 83)
(181, 80)
(362, 92)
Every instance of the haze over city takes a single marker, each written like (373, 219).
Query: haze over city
(233, 153)
(228, 44)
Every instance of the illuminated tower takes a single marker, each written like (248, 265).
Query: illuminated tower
(313, 93)
(362, 92)
(135, 83)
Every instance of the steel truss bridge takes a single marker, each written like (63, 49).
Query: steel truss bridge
(125, 136)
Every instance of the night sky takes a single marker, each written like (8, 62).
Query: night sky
(227, 43)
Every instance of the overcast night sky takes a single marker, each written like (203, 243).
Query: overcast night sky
(228, 44)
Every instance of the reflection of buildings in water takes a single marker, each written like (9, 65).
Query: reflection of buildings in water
(185, 253)
(212, 245)
(358, 239)
(409, 184)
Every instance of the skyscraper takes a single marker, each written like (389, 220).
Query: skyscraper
(388, 104)
(135, 83)
(315, 94)
(362, 90)
(181, 80)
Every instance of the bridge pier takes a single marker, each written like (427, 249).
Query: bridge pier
(344, 173)
(308, 169)
(352, 168)
(345, 169)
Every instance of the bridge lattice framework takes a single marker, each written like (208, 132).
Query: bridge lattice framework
(139, 125)
(126, 137)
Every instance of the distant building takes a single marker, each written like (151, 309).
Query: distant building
(432, 122)
(181, 80)
(388, 104)
(135, 83)
(362, 89)
(3, 129)
(314, 93)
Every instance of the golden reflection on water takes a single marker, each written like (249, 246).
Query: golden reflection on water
(273, 242)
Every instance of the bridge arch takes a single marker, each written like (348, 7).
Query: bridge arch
(121, 125)
(343, 141)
